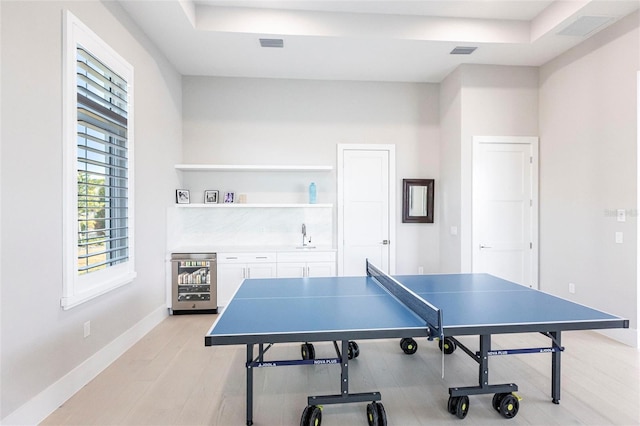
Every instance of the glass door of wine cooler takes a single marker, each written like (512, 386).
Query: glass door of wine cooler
(194, 288)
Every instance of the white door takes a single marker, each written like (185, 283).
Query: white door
(505, 205)
(366, 176)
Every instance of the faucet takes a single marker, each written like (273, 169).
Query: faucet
(304, 235)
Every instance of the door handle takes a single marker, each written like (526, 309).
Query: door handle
(484, 247)
(385, 242)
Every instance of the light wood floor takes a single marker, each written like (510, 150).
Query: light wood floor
(171, 378)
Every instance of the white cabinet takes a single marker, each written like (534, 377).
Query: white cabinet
(306, 264)
(321, 269)
(235, 267)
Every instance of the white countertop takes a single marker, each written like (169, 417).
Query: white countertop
(246, 249)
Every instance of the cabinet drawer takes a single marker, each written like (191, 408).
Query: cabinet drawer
(246, 257)
(307, 256)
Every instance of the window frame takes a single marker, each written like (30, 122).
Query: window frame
(77, 289)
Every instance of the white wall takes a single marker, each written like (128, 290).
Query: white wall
(588, 131)
(477, 100)
(266, 121)
(41, 343)
(450, 196)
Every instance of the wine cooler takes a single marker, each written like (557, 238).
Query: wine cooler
(193, 283)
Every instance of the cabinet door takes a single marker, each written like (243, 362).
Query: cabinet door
(321, 269)
(291, 270)
(230, 277)
(261, 270)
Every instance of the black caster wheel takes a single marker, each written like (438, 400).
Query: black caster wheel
(459, 407)
(497, 398)
(451, 404)
(409, 346)
(376, 416)
(509, 406)
(307, 350)
(382, 415)
(311, 416)
(447, 345)
(354, 350)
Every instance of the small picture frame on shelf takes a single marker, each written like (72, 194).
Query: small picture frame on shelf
(211, 197)
(182, 196)
(229, 197)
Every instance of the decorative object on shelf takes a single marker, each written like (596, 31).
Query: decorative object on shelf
(312, 193)
(242, 198)
(211, 197)
(229, 197)
(417, 200)
(239, 205)
(182, 196)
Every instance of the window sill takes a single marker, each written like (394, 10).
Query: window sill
(72, 301)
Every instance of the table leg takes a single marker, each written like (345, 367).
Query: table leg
(555, 368)
(344, 369)
(249, 384)
(483, 360)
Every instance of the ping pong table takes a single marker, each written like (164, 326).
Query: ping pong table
(264, 312)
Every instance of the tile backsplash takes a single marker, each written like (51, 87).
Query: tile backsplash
(248, 226)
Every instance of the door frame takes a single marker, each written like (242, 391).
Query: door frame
(391, 149)
(533, 141)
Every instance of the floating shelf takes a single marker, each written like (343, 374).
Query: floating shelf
(254, 205)
(249, 168)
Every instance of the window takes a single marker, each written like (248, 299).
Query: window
(98, 167)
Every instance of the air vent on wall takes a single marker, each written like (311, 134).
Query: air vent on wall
(462, 50)
(585, 25)
(271, 42)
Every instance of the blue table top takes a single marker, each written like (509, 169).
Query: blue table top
(340, 308)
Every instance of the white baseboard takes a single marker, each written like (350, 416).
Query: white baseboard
(47, 401)
(628, 336)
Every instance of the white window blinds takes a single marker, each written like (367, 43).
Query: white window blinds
(102, 160)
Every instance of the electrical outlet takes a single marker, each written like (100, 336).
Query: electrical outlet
(87, 329)
(420, 270)
(572, 288)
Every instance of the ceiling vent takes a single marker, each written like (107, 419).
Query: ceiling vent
(271, 42)
(586, 25)
(461, 50)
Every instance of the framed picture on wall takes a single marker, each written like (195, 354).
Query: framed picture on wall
(229, 197)
(211, 197)
(182, 196)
